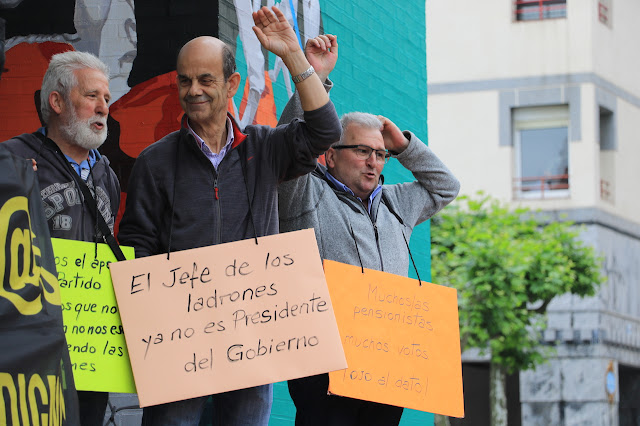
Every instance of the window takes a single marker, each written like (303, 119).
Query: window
(607, 129)
(535, 10)
(608, 147)
(541, 147)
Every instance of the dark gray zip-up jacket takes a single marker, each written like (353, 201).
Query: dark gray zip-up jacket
(176, 195)
(67, 214)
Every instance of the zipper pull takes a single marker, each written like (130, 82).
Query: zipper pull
(215, 188)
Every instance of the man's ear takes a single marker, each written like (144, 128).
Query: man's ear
(234, 83)
(330, 158)
(56, 102)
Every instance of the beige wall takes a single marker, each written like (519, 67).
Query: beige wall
(470, 42)
(479, 40)
(474, 156)
(615, 50)
(627, 166)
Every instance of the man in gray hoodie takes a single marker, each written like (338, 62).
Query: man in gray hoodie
(359, 221)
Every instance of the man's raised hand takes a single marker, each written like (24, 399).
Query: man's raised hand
(274, 32)
(322, 54)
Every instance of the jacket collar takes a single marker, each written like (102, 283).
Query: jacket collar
(321, 170)
(41, 134)
(238, 135)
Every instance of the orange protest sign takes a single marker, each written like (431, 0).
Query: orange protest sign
(401, 340)
(227, 317)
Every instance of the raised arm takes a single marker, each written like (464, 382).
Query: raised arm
(435, 185)
(296, 194)
(277, 36)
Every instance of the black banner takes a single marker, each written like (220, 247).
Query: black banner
(36, 379)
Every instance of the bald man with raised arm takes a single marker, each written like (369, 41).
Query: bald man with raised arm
(212, 182)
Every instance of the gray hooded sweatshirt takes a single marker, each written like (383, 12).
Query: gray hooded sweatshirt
(345, 231)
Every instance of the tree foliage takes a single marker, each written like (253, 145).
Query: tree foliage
(507, 266)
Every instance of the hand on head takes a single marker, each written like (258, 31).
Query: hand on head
(394, 139)
(322, 54)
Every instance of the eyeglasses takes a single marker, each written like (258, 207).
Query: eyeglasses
(363, 152)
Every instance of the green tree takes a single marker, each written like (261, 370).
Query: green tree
(507, 266)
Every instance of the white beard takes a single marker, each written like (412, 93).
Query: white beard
(81, 133)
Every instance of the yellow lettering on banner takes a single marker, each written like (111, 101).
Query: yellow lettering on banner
(49, 283)
(53, 405)
(60, 397)
(56, 407)
(6, 382)
(21, 405)
(23, 399)
(36, 383)
(24, 264)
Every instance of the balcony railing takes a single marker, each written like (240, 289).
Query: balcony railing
(539, 186)
(531, 10)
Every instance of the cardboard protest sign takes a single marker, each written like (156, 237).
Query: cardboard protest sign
(95, 336)
(401, 340)
(227, 317)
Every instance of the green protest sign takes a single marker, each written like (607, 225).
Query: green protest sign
(92, 325)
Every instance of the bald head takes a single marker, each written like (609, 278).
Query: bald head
(210, 48)
(206, 81)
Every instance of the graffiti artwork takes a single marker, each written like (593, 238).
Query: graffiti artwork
(139, 40)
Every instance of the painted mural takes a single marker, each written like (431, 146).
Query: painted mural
(381, 70)
(139, 41)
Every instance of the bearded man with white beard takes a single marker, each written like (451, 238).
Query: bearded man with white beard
(74, 101)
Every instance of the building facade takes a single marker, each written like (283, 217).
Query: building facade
(537, 102)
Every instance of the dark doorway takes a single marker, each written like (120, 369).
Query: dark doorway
(629, 409)
(475, 382)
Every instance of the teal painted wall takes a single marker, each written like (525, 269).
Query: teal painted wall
(381, 69)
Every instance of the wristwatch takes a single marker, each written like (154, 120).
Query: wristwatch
(302, 77)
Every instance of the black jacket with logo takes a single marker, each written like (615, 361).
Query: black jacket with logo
(67, 214)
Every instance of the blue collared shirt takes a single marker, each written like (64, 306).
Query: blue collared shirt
(212, 156)
(345, 188)
(84, 168)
